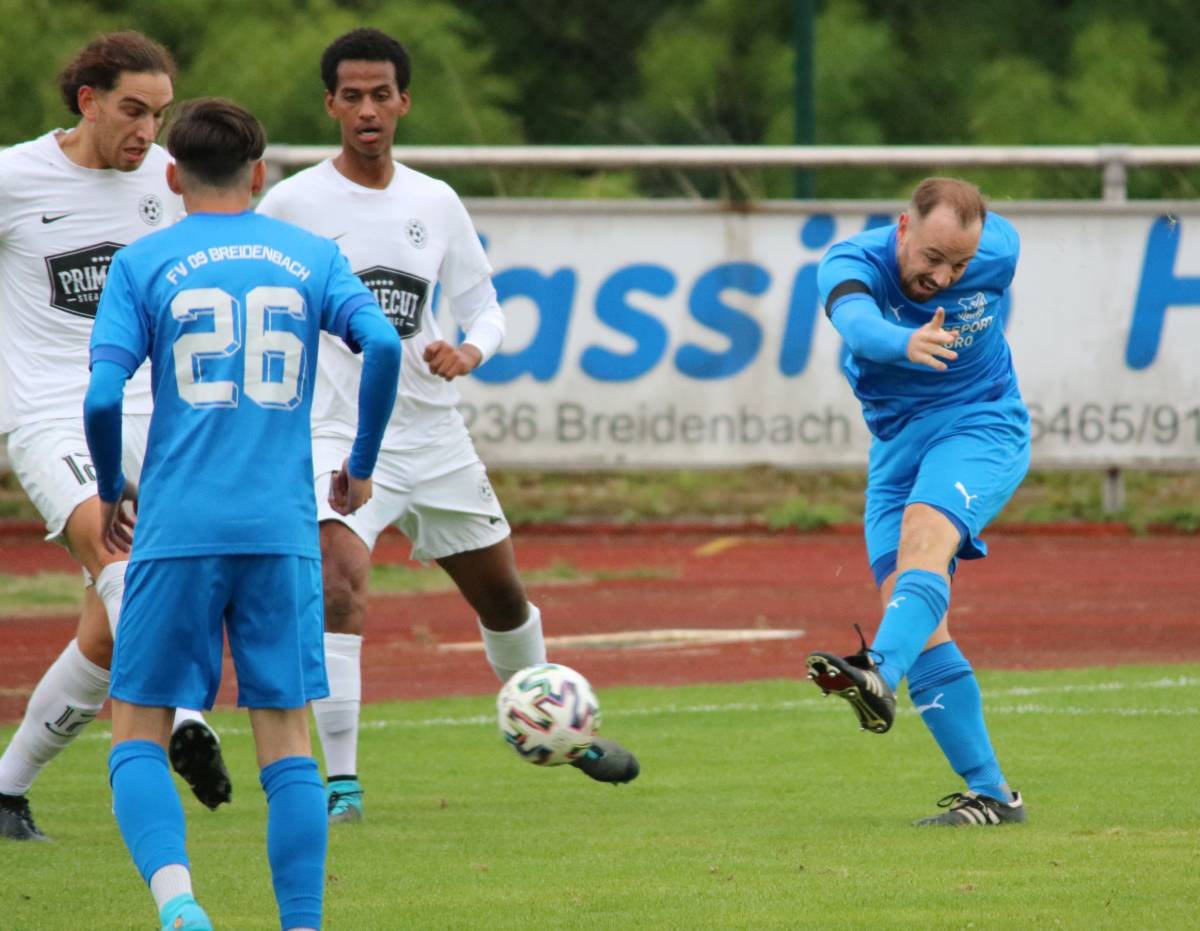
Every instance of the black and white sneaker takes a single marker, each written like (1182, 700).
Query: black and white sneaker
(970, 809)
(16, 820)
(607, 761)
(196, 755)
(857, 679)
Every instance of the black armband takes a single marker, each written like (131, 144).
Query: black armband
(853, 286)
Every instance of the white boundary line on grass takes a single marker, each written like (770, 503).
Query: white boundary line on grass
(824, 704)
(662, 638)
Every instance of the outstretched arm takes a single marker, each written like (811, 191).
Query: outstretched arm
(870, 336)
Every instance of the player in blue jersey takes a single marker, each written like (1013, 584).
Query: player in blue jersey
(228, 306)
(921, 306)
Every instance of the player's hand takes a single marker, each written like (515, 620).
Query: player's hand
(930, 344)
(451, 361)
(117, 520)
(347, 493)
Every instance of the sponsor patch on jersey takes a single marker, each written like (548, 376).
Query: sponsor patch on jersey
(77, 278)
(415, 230)
(150, 209)
(401, 296)
(973, 306)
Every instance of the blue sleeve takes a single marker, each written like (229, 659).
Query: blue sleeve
(868, 335)
(846, 285)
(121, 332)
(344, 294)
(842, 263)
(102, 425)
(380, 344)
(995, 264)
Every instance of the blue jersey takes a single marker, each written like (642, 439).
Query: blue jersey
(228, 307)
(976, 306)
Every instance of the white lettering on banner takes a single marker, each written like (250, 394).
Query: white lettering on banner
(652, 337)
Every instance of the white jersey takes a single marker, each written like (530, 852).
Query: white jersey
(400, 241)
(60, 224)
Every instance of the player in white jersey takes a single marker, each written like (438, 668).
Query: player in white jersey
(68, 201)
(404, 232)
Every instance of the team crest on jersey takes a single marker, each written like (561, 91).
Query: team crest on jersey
(77, 278)
(150, 209)
(415, 230)
(401, 296)
(973, 306)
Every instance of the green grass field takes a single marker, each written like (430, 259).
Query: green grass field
(759, 806)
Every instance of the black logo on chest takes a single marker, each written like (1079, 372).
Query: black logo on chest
(401, 295)
(77, 278)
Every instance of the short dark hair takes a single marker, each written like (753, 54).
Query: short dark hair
(961, 196)
(365, 45)
(102, 61)
(214, 141)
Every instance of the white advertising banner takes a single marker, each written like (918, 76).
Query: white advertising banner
(671, 334)
(664, 334)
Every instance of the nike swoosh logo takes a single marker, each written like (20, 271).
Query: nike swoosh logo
(339, 236)
(55, 219)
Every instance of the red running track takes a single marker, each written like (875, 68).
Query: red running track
(1039, 601)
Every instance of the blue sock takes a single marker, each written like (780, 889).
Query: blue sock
(297, 834)
(942, 684)
(918, 604)
(147, 806)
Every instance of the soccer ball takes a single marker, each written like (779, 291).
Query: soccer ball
(548, 714)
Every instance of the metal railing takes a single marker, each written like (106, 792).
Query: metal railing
(1112, 161)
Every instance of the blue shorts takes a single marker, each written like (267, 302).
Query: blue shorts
(965, 461)
(173, 621)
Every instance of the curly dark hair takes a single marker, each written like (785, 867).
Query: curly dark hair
(365, 45)
(106, 57)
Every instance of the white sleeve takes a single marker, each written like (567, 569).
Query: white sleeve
(465, 264)
(269, 205)
(479, 316)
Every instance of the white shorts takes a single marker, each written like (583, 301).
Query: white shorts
(439, 496)
(53, 465)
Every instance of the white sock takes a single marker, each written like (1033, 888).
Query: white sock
(511, 650)
(71, 693)
(184, 715)
(337, 715)
(169, 882)
(110, 586)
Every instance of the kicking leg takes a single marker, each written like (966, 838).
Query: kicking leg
(918, 600)
(943, 687)
(511, 627)
(512, 638)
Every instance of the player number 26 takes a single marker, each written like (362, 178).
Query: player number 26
(265, 349)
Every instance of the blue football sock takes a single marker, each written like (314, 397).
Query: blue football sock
(943, 686)
(918, 605)
(297, 834)
(147, 806)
